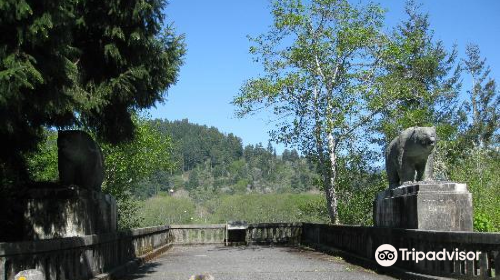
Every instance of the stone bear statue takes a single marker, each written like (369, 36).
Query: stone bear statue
(409, 157)
(80, 160)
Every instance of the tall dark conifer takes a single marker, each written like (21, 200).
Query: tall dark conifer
(83, 63)
(422, 73)
(483, 104)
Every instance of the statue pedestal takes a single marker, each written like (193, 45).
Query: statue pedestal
(67, 212)
(444, 206)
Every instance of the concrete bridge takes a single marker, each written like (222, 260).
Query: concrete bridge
(274, 251)
(250, 263)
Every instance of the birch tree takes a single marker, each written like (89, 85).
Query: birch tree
(321, 63)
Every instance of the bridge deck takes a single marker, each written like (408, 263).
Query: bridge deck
(254, 262)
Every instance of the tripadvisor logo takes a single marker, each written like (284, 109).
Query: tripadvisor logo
(387, 255)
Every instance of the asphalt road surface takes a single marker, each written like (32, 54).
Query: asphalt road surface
(253, 262)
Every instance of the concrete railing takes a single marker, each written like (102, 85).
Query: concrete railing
(265, 233)
(275, 233)
(198, 234)
(89, 256)
(82, 257)
(363, 241)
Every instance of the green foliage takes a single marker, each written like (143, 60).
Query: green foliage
(258, 171)
(420, 72)
(483, 104)
(83, 63)
(221, 165)
(482, 223)
(166, 210)
(130, 163)
(158, 181)
(479, 169)
(34, 69)
(241, 186)
(331, 78)
(311, 80)
(253, 208)
(476, 159)
(197, 144)
(359, 182)
(314, 210)
(128, 212)
(272, 208)
(127, 166)
(321, 61)
(132, 57)
(42, 166)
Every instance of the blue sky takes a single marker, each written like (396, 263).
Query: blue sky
(217, 60)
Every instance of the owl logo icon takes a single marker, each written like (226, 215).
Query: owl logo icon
(386, 255)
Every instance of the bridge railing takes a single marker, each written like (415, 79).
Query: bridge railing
(81, 257)
(198, 234)
(274, 233)
(264, 233)
(88, 256)
(363, 242)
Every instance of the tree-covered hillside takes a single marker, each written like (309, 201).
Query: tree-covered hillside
(209, 162)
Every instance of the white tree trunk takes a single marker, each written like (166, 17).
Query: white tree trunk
(331, 194)
(328, 175)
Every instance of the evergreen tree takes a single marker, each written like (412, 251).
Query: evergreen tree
(193, 181)
(294, 155)
(269, 147)
(483, 105)
(423, 76)
(87, 63)
(285, 156)
(37, 67)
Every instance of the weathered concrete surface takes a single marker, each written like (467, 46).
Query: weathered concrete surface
(84, 257)
(68, 212)
(444, 206)
(253, 262)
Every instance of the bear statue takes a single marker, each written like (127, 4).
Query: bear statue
(80, 160)
(409, 157)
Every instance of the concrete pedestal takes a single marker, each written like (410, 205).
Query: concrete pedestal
(444, 206)
(67, 212)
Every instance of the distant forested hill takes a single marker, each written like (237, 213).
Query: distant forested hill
(209, 162)
(195, 144)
